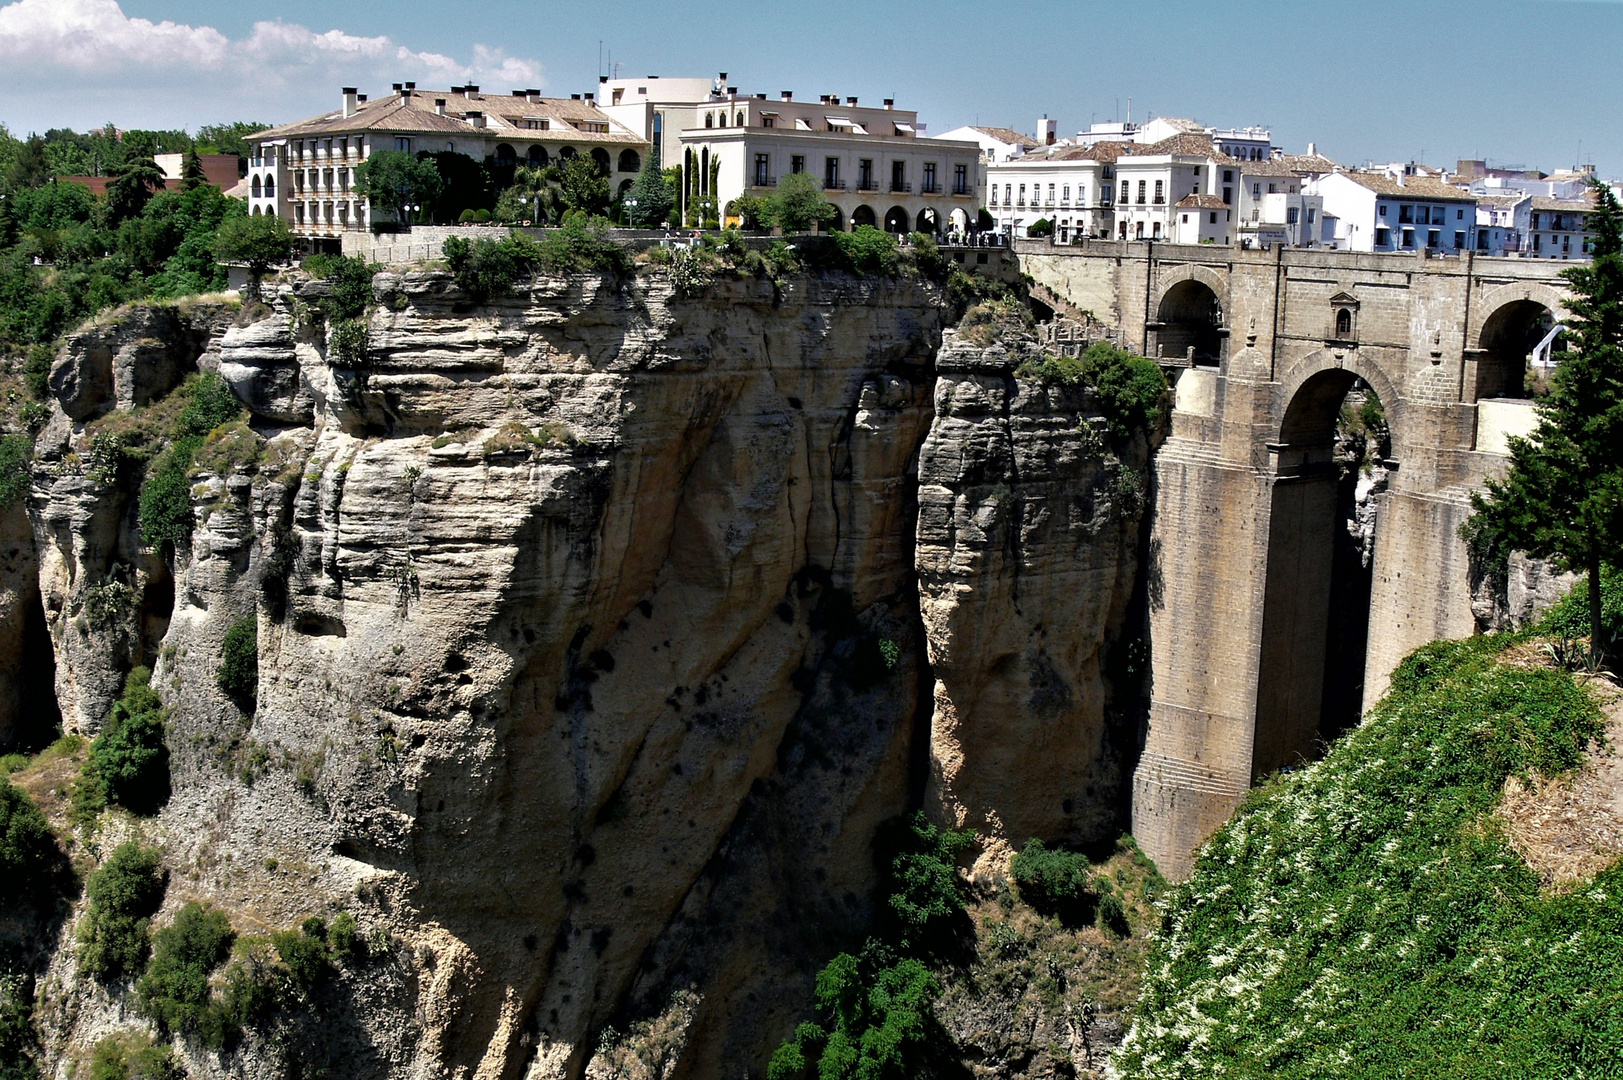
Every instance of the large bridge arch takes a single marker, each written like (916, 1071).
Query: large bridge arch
(1299, 413)
(1510, 321)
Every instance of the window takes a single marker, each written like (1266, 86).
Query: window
(1156, 235)
(1273, 189)
(1104, 194)
(1343, 322)
(831, 173)
(1160, 194)
(929, 177)
(1405, 215)
(994, 194)
(1292, 215)
(1408, 238)
(1185, 219)
(739, 121)
(763, 170)
(1141, 193)
(1433, 238)
(1459, 239)
(1383, 237)
(709, 120)
(1214, 217)
(1008, 200)
(1065, 195)
(769, 121)
(403, 143)
(1380, 211)
(1022, 201)
(1256, 191)
(898, 176)
(1228, 176)
(960, 179)
(1535, 221)
(797, 163)
(1310, 212)
(537, 123)
(1228, 195)
(1050, 194)
(865, 174)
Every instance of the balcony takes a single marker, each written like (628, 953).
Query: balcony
(765, 180)
(867, 185)
(927, 188)
(901, 187)
(960, 189)
(833, 185)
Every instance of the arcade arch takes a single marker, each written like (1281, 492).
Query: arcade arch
(1509, 334)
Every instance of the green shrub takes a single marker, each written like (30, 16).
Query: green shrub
(238, 673)
(166, 496)
(1055, 882)
(133, 1057)
(878, 1011)
(349, 283)
(16, 467)
(211, 403)
(350, 342)
(30, 861)
(1569, 617)
(1130, 388)
(128, 764)
(114, 938)
(1040, 228)
(925, 258)
(19, 1043)
(174, 992)
(922, 874)
(37, 371)
(1366, 916)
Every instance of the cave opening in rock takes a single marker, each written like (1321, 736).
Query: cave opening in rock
(157, 608)
(39, 719)
(1331, 468)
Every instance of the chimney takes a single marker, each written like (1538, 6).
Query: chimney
(360, 99)
(405, 95)
(851, 101)
(732, 91)
(439, 106)
(787, 95)
(411, 86)
(1047, 131)
(1312, 150)
(574, 97)
(601, 79)
(476, 119)
(349, 102)
(399, 87)
(890, 103)
(722, 78)
(588, 97)
(760, 97)
(532, 95)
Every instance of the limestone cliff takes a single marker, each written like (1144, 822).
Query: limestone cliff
(590, 646)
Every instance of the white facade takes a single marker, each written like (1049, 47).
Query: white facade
(1072, 187)
(1374, 212)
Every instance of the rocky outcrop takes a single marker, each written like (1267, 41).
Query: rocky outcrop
(1027, 551)
(595, 632)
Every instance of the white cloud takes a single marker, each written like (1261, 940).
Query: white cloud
(60, 57)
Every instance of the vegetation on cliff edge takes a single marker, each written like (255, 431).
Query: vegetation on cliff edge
(1366, 916)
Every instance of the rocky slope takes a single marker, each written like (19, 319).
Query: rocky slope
(593, 647)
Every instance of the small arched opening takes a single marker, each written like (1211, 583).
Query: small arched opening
(1191, 318)
(625, 188)
(863, 215)
(738, 121)
(505, 155)
(567, 153)
(255, 188)
(270, 187)
(1505, 349)
(630, 161)
(600, 158)
(896, 220)
(1331, 463)
(536, 158)
(928, 221)
(256, 211)
(709, 120)
(958, 220)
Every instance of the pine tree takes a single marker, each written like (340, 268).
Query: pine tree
(1563, 496)
(651, 196)
(192, 175)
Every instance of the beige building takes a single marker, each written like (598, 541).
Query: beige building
(873, 162)
(305, 172)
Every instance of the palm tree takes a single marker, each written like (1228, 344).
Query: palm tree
(537, 185)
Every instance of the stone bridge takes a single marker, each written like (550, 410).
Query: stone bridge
(1271, 625)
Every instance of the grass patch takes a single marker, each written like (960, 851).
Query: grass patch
(1366, 917)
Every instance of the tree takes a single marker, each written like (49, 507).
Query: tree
(129, 193)
(1563, 496)
(464, 185)
(533, 188)
(583, 186)
(30, 168)
(260, 242)
(798, 204)
(192, 175)
(392, 180)
(648, 205)
(229, 139)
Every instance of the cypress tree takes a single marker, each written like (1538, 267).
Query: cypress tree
(1563, 496)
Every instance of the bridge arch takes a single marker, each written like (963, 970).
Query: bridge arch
(1514, 319)
(1308, 403)
(1190, 316)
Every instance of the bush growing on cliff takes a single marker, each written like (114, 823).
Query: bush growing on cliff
(877, 1004)
(165, 504)
(1367, 916)
(1130, 388)
(238, 673)
(174, 992)
(349, 280)
(124, 894)
(16, 474)
(19, 1043)
(128, 764)
(30, 862)
(133, 1057)
(1055, 882)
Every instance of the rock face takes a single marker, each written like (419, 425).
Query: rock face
(1027, 552)
(592, 646)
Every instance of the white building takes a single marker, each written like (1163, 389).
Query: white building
(1001, 143)
(1074, 187)
(1366, 211)
(1557, 228)
(306, 171)
(873, 162)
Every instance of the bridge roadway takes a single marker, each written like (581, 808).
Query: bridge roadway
(1246, 505)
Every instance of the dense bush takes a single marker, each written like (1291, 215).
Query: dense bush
(16, 454)
(1366, 916)
(19, 1043)
(349, 283)
(133, 1057)
(877, 1004)
(351, 341)
(114, 940)
(1055, 882)
(174, 992)
(238, 674)
(166, 494)
(30, 861)
(128, 764)
(1130, 388)
(1570, 615)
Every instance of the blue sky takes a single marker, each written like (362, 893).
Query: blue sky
(1519, 81)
